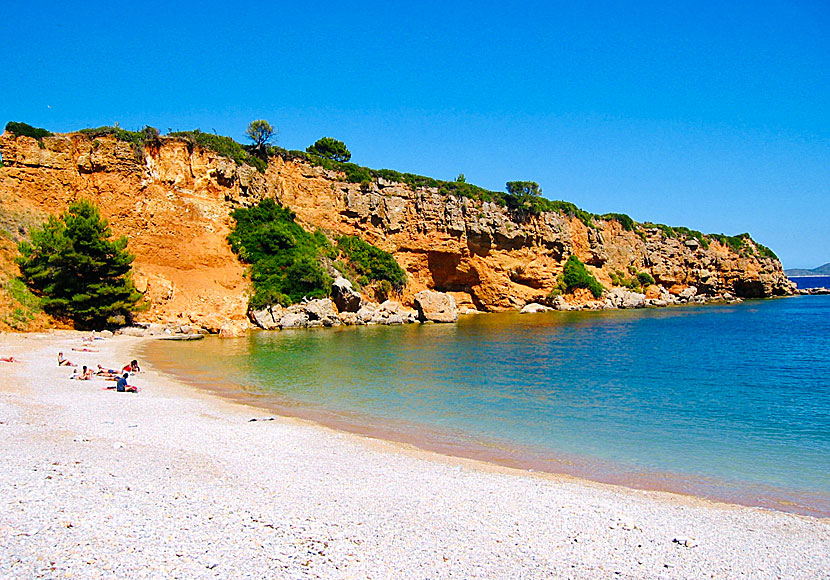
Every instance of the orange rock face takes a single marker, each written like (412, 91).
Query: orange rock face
(173, 201)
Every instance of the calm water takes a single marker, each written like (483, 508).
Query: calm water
(811, 281)
(730, 402)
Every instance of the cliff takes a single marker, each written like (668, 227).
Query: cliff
(172, 200)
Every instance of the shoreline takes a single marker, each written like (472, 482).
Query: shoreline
(196, 489)
(503, 454)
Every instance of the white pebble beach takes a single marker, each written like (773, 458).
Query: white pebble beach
(175, 483)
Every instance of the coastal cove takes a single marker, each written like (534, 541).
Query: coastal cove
(728, 402)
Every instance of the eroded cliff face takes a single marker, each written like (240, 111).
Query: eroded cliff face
(173, 201)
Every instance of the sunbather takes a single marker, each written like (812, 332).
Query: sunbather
(62, 362)
(8, 359)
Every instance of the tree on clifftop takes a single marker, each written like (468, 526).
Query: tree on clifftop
(80, 273)
(330, 149)
(260, 132)
(523, 196)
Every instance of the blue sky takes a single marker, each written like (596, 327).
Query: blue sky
(715, 116)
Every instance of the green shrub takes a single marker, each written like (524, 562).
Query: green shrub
(357, 174)
(645, 279)
(25, 130)
(371, 262)
(625, 221)
(76, 269)
(285, 259)
(765, 251)
(575, 275)
(735, 243)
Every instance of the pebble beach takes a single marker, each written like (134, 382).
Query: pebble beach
(174, 483)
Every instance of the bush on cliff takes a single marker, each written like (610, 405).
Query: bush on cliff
(76, 269)
(285, 259)
(575, 275)
(372, 262)
(329, 148)
(25, 130)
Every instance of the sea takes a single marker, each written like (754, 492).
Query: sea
(811, 281)
(724, 401)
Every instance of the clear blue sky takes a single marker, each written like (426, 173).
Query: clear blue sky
(711, 115)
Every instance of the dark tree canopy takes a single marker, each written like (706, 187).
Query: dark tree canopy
(329, 148)
(80, 273)
(523, 188)
(260, 132)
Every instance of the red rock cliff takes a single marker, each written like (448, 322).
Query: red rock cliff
(173, 201)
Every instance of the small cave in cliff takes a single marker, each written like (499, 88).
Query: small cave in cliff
(749, 289)
(450, 272)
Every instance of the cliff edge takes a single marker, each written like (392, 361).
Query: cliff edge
(172, 200)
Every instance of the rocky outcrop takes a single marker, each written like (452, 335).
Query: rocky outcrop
(173, 200)
(322, 312)
(436, 306)
(344, 296)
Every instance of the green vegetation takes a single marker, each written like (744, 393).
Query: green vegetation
(645, 279)
(736, 243)
(372, 262)
(285, 259)
(260, 132)
(24, 130)
(28, 305)
(329, 148)
(636, 282)
(136, 138)
(575, 275)
(224, 146)
(77, 271)
(765, 251)
(625, 221)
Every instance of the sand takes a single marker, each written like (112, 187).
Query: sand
(174, 483)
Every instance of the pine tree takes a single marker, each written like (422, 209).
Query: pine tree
(79, 272)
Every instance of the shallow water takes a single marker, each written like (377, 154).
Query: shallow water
(725, 401)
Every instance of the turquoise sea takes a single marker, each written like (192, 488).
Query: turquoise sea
(730, 402)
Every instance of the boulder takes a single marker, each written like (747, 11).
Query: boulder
(436, 306)
(533, 308)
(633, 300)
(344, 296)
(293, 320)
(265, 318)
(559, 303)
(366, 312)
(688, 293)
(322, 311)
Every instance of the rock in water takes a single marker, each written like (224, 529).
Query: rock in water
(533, 308)
(436, 306)
(344, 296)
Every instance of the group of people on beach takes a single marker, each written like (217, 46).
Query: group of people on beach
(87, 373)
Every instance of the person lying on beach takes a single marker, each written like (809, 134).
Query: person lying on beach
(107, 373)
(84, 349)
(131, 368)
(85, 374)
(8, 359)
(62, 362)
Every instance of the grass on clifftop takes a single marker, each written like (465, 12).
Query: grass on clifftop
(522, 208)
